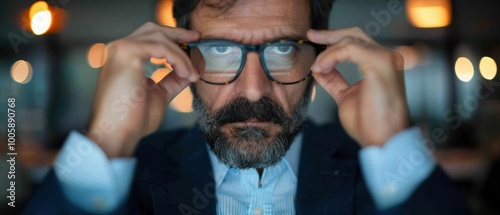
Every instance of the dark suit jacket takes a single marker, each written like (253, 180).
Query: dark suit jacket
(173, 176)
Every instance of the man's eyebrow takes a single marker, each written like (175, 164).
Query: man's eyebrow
(282, 37)
(295, 37)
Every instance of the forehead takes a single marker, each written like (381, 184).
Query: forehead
(253, 21)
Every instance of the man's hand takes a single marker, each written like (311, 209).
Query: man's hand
(127, 105)
(373, 109)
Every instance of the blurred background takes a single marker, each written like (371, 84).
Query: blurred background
(51, 51)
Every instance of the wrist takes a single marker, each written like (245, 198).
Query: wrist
(114, 142)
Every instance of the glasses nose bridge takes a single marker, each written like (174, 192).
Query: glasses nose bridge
(249, 49)
(254, 83)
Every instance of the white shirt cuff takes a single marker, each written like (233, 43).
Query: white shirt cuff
(89, 179)
(393, 172)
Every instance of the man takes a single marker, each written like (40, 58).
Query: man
(249, 65)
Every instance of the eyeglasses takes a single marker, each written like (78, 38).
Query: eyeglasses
(220, 62)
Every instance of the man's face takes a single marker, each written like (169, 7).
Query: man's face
(251, 122)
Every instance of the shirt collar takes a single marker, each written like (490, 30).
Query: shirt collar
(291, 160)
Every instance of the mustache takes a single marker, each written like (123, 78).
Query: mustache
(242, 109)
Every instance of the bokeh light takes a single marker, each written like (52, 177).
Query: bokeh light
(488, 68)
(429, 13)
(158, 61)
(40, 17)
(183, 102)
(96, 56)
(313, 94)
(38, 7)
(40, 22)
(21, 72)
(164, 13)
(464, 69)
(159, 74)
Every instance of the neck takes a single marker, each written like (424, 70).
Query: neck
(260, 171)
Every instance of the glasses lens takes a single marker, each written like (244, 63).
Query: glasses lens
(288, 62)
(216, 62)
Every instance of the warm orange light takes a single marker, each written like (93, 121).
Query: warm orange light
(42, 18)
(159, 74)
(21, 72)
(429, 13)
(97, 54)
(164, 13)
(464, 69)
(488, 68)
(313, 95)
(41, 21)
(158, 61)
(38, 7)
(183, 102)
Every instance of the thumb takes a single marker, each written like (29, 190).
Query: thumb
(333, 82)
(172, 85)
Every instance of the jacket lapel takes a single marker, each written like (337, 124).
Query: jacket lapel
(328, 171)
(196, 184)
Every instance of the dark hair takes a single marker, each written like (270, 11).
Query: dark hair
(320, 9)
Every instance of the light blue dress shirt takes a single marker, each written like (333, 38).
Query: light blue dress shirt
(95, 184)
(241, 191)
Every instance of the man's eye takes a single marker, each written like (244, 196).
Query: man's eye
(220, 50)
(282, 49)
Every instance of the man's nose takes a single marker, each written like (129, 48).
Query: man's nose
(253, 83)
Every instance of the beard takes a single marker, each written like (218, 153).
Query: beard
(243, 145)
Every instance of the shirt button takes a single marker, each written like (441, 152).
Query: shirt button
(257, 211)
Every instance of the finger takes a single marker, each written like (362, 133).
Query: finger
(330, 37)
(369, 59)
(173, 85)
(170, 37)
(333, 82)
(181, 65)
(178, 35)
(159, 47)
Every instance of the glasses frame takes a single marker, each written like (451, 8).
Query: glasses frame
(254, 48)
